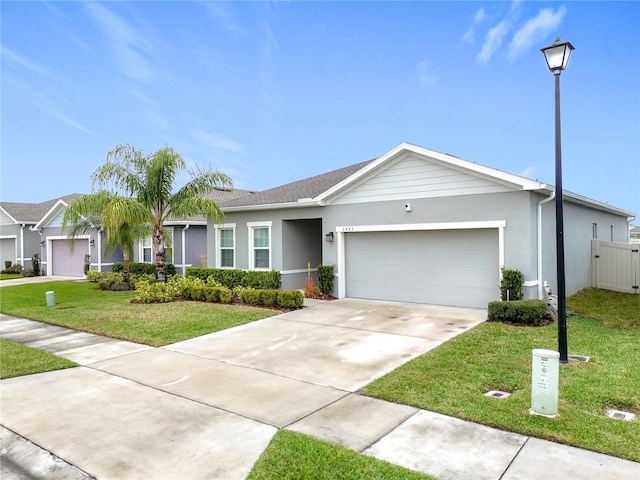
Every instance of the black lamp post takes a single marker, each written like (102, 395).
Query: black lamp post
(557, 56)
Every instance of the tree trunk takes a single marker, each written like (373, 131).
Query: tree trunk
(158, 243)
(125, 268)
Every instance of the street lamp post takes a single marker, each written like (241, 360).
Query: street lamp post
(557, 56)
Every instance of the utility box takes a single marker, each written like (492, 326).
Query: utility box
(544, 382)
(51, 298)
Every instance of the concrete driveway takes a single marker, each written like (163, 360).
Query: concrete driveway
(207, 407)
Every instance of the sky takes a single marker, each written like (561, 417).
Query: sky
(273, 92)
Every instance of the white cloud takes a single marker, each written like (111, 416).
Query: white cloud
(425, 74)
(215, 140)
(46, 104)
(493, 40)
(223, 15)
(478, 18)
(534, 30)
(130, 48)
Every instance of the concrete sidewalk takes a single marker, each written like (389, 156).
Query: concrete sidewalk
(208, 407)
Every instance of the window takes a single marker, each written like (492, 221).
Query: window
(147, 251)
(146, 254)
(226, 242)
(260, 245)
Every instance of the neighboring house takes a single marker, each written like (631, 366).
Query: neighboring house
(634, 234)
(19, 237)
(29, 228)
(414, 225)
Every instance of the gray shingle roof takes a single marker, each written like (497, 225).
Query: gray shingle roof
(220, 197)
(292, 192)
(33, 212)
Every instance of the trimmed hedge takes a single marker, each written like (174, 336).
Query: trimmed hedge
(206, 293)
(232, 278)
(519, 312)
(137, 268)
(272, 298)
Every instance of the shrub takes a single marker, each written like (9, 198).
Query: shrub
(511, 284)
(158, 292)
(35, 262)
(325, 279)
(310, 288)
(7, 264)
(17, 268)
(138, 277)
(112, 281)
(138, 268)
(28, 273)
(87, 263)
(232, 278)
(94, 275)
(519, 312)
(290, 299)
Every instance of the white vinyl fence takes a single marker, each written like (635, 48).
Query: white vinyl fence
(615, 266)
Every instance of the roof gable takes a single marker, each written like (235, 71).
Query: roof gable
(409, 171)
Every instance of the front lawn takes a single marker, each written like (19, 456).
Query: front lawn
(83, 306)
(17, 360)
(9, 276)
(294, 456)
(452, 378)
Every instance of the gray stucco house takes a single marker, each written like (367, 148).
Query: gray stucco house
(27, 228)
(414, 225)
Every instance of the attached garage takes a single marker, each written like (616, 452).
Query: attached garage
(64, 262)
(8, 250)
(458, 267)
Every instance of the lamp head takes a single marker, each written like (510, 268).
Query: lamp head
(557, 55)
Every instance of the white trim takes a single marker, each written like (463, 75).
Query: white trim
(40, 225)
(342, 230)
(49, 249)
(218, 255)
(15, 247)
(442, 158)
(405, 227)
(250, 227)
(184, 249)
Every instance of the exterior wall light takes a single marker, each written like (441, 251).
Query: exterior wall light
(329, 237)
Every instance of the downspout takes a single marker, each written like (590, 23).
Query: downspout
(21, 247)
(184, 258)
(100, 230)
(539, 215)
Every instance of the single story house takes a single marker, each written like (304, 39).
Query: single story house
(414, 225)
(26, 229)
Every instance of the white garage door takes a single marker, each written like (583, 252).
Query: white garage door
(7, 251)
(66, 263)
(441, 267)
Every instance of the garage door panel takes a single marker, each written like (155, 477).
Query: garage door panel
(7, 250)
(441, 267)
(64, 262)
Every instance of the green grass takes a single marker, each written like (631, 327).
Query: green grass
(17, 360)
(294, 456)
(452, 378)
(82, 306)
(9, 276)
(613, 309)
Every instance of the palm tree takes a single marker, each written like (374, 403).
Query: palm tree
(148, 180)
(123, 222)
